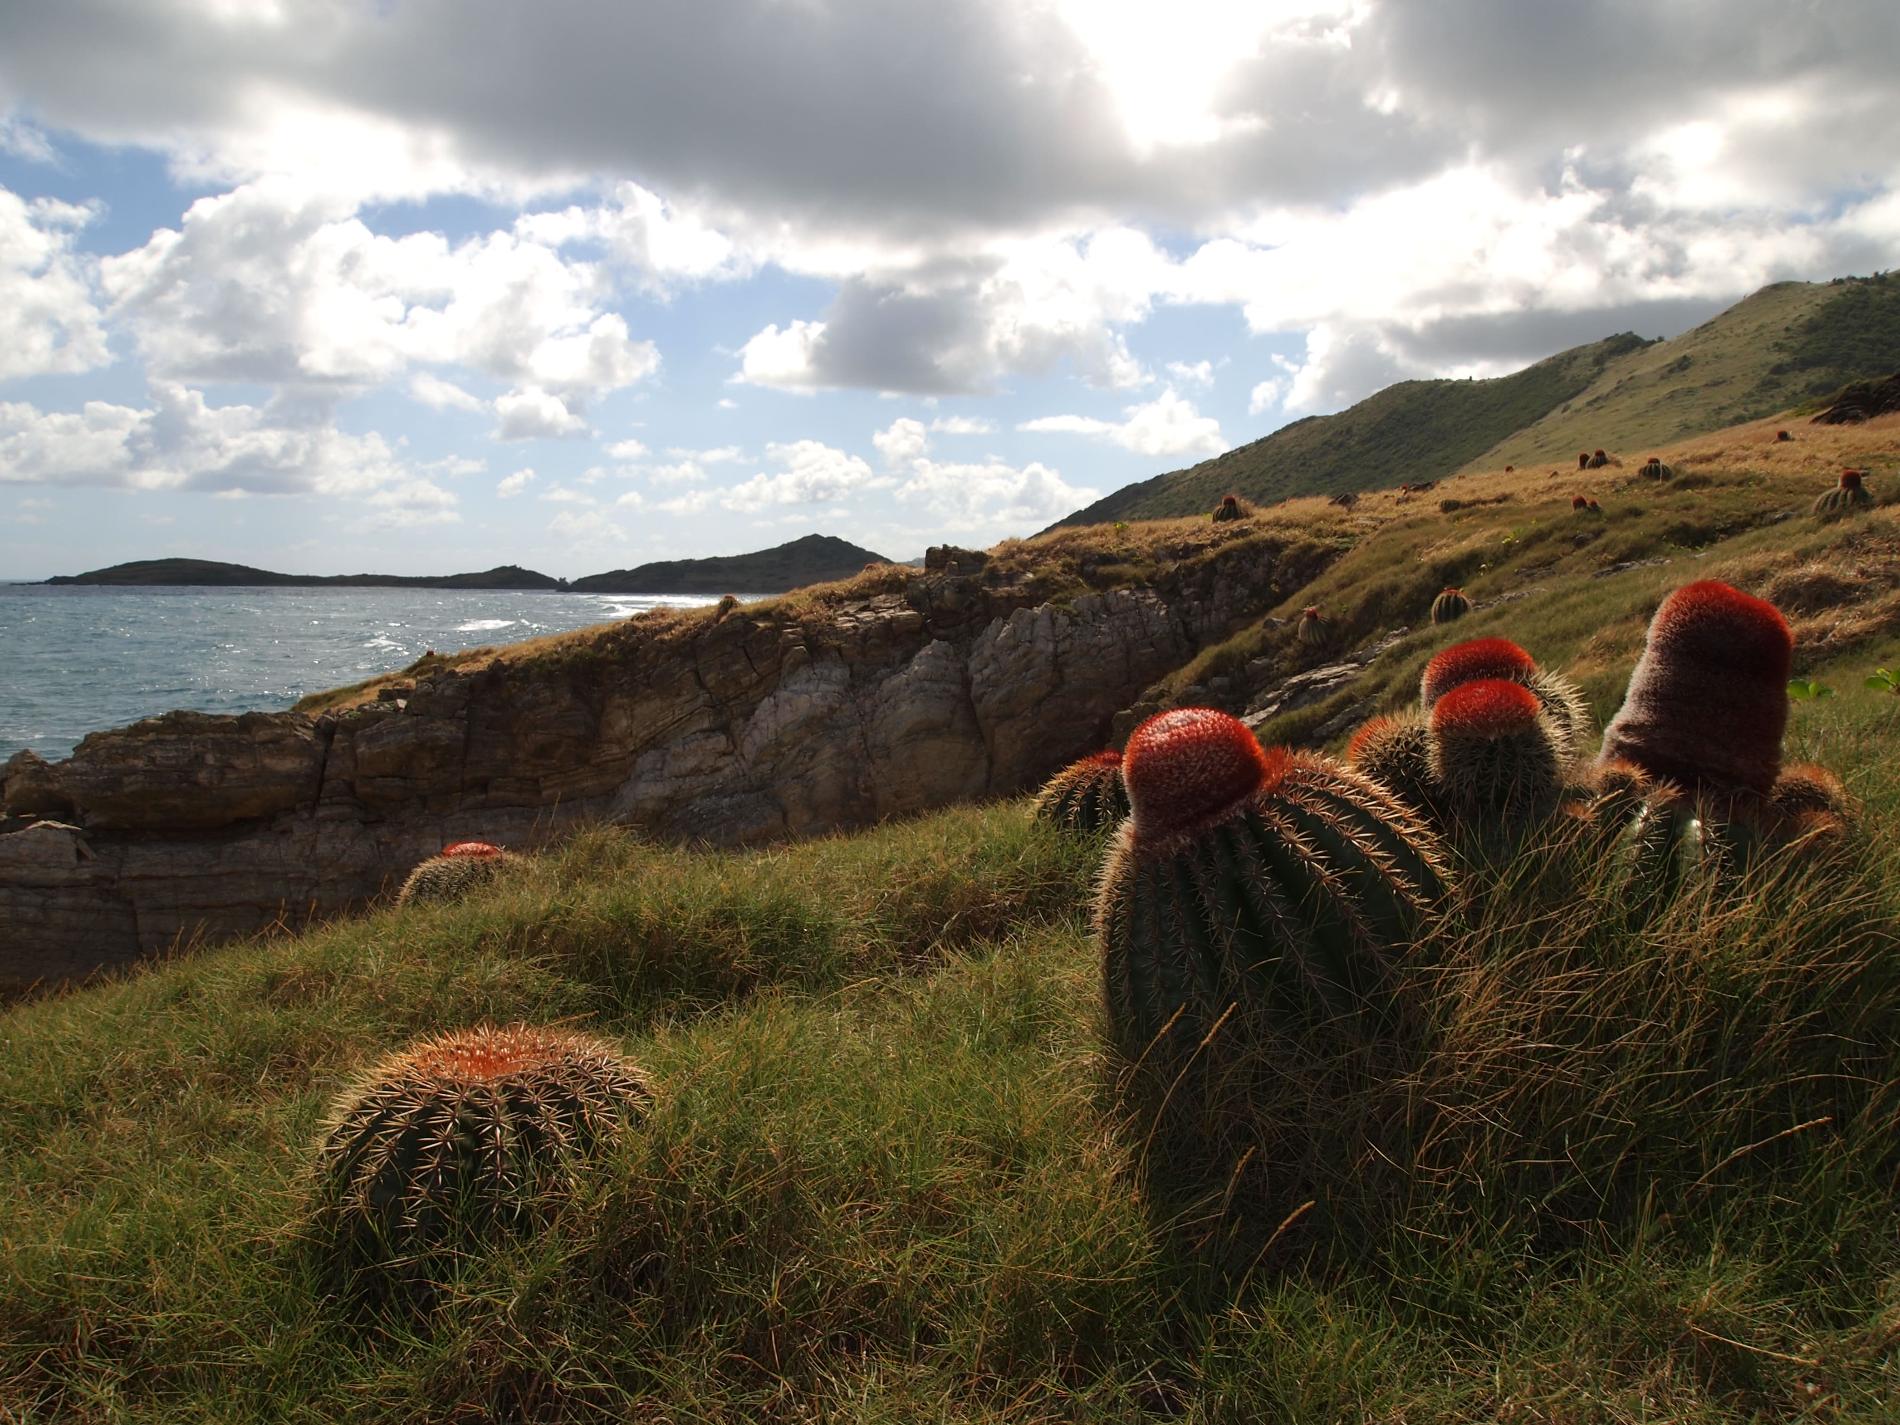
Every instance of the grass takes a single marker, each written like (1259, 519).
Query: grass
(896, 1174)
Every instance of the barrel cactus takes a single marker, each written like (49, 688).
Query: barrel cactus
(1579, 502)
(1654, 469)
(458, 870)
(1314, 630)
(1848, 497)
(1396, 752)
(1450, 606)
(1583, 460)
(1086, 796)
(1600, 458)
(1258, 892)
(464, 1137)
(1228, 509)
(1495, 759)
(1478, 659)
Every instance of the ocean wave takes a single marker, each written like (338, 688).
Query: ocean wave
(484, 625)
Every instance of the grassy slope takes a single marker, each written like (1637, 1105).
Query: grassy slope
(887, 1180)
(1416, 430)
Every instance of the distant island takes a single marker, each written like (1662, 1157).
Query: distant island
(814, 559)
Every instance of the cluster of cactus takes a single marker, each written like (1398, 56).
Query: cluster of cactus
(1693, 757)
(466, 1136)
(1229, 508)
(1086, 796)
(1313, 629)
(1595, 460)
(1654, 469)
(1847, 497)
(1450, 606)
(1585, 504)
(1254, 892)
(458, 870)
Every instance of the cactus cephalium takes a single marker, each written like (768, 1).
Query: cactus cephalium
(1495, 760)
(1845, 498)
(1228, 509)
(1085, 796)
(466, 1135)
(1480, 658)
(1708, 699)
(1600, 458)
(458, 870)
(1280, 884)
(1654, 469)
(1579, 502)
(1313, 629)
(1450, 606)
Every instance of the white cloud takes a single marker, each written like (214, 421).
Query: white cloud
(442, 395)
(535, 414)
(645, 234)
(453, 466)
(990, 500)
(408, 505)
(628, 449)
(1196, 373)
(717, 455)
(684, 472)
(962, 425)
(1268, 393)
(901, 442)
(563, 495)
(813, 474)
(631, 500)
(1167, 425)
(48, 321)
(24, 140)
(514, 484)
(693, 502)
(586, 530)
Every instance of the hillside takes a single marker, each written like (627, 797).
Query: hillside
(209, 573)
(1791, 344)
(814, 559)
(1617, 1169)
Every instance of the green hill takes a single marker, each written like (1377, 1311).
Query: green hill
(814, 559)
(1788, 345)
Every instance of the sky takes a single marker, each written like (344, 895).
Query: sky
(425, 286)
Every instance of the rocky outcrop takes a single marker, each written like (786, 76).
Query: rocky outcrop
(955, 683)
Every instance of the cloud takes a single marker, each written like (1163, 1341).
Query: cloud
(628, 449)
(48, 320)
(716, 455)
(181, 442)
(1167, 425)
(409, 505)
(514, 484)
(562, 495)
(442, 395)
(901, 442)
(1266, 395)
(586, 529)
(813, 474)
(989, 500)
(962, 425)
(1197, 373)
(535, 414)
(684, 472)
(24, 140)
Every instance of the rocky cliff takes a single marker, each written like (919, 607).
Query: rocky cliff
(894, 694)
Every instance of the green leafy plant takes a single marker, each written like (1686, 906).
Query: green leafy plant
(1807, 690)
(1884, 680)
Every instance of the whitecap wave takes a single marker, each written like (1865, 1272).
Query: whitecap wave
(484, 625)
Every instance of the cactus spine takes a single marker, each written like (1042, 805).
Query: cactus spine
(460, 869)
(1495, 762)
(1846, 498)
(1450, 606)
(1086, 796)
(1278, 884)
(1228, 509)
(1396, 752)
(466, 1135)
(1481, 658)
(1314, 631)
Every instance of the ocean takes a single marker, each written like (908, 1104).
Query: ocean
(75, 660)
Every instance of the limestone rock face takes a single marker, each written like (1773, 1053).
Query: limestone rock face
(965, 682)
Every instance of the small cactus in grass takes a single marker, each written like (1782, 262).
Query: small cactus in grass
(1600, 458)
(1274, 886)
(459, 869)
(1229, 508)
(1479, 659)
(464, 1136)
(1450, 606)
(1314, 630)
(1783, 435)
(1593, 506)
(1579, 502)
(1086, 796)
(1583, 460)
(1654, 469)
(1847, 497)
(1495, 760)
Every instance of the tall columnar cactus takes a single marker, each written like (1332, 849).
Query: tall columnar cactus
(1228, 509)
(1450, 606)
(1846, 498)
(1313, 629)
(1495, 761)
(1481, 658)
(1708, 700)
(1278, 886)
(460, 868)
(1086, 796)
(465, 1136)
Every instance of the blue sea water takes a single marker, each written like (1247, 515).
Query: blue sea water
(75, 660)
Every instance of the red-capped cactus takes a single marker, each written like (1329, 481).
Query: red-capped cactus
(464, 1137)
(1600, 458)
(1482, 658)
(1267, 889)
(1495, 760)
(458, 870)
(1579, 502)
(1450, 606)
(1654, 469)
(1849, 496)
(1583, 460)
(1396, 752)
(1783, 435)
(1086, 796)
(1593, 506)
(1229, 508)
(1314, 630)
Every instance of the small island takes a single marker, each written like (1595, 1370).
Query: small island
(209, 573)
